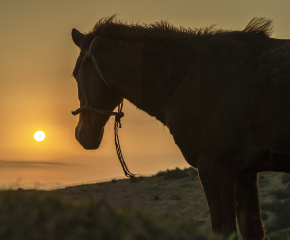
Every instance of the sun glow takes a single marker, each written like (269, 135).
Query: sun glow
(39, 136)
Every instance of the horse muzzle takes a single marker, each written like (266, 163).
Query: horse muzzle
(88, 138)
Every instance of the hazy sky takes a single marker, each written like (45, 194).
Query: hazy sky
(37, 57)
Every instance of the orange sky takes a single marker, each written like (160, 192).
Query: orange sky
(37, 57)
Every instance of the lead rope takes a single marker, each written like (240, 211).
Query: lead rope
(117, 142)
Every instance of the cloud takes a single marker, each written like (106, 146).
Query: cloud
(29, 164)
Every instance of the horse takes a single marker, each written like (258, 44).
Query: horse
(223, 95)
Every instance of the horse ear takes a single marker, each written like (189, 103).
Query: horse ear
(77, 37)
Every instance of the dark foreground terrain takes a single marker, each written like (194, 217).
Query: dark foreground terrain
(170, 205)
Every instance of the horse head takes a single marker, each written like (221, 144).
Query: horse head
(97, 98)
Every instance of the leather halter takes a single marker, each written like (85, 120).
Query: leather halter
(87, 107)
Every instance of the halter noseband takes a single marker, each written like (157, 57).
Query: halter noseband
(118, 115)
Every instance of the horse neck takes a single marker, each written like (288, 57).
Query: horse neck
(122, 63)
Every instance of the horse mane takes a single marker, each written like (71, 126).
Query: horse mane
(111, 27)
(262, 26)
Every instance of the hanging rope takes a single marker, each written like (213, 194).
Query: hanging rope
(117, 143)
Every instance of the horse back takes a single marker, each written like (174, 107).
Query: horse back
(234, 99)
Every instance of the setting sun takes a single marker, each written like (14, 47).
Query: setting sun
(39, 136)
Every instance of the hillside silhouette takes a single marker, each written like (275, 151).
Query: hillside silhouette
(174, 197)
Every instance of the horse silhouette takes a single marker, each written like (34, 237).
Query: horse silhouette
(224, 96)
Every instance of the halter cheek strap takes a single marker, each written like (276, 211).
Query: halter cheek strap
(87, 107)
